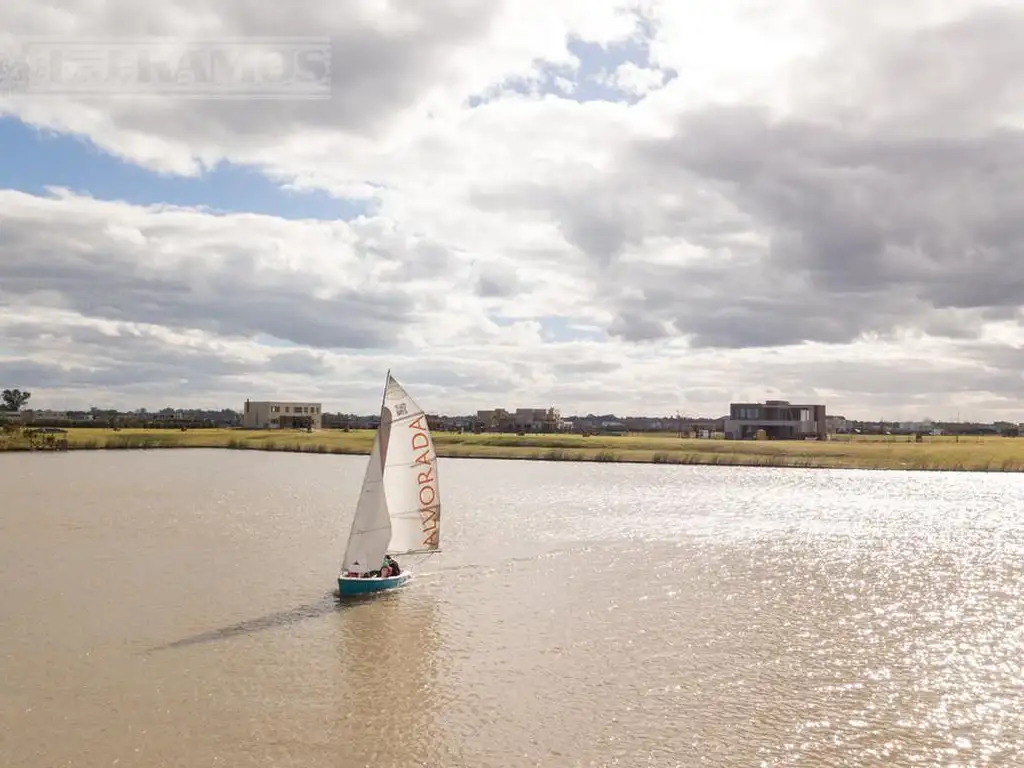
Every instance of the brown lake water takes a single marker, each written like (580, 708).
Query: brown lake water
(175, 608)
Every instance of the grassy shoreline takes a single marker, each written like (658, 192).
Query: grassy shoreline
(992, 454)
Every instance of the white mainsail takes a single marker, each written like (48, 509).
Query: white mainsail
(410, 475)
(399, 507)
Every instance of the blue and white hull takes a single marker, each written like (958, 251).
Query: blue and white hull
(348, 586)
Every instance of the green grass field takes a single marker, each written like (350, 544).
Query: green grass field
(935, 453)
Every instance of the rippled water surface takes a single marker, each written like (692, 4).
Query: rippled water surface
(174, 608)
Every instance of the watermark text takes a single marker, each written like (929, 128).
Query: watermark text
(238, 68)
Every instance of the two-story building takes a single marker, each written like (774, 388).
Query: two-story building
(537, 420)
(778, 419)
(280, 414)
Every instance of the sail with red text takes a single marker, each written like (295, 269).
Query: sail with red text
(410, 479)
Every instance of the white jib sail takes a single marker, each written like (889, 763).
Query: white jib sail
(410, 475)
(371, 526)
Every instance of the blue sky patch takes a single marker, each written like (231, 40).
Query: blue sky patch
(265, 340)
(596, 65)
(553, 328)
(35, 159)
(559, 329)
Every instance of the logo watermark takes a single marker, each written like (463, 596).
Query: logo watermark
(238, 68)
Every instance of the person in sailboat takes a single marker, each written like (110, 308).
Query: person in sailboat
(391, 566)
(357, 573)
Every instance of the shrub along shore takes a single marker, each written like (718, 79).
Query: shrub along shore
(1000, 454)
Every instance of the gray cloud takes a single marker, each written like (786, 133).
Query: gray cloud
(458, 376)
(213, 281)
(586, 367)
(146, 355)
(865, 225)
(376, 70)
(496, 284)
(924, 378)
(145, 365)
(936, 80)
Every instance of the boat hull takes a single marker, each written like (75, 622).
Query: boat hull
(355, 586)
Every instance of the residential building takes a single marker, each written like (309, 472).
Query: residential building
(12, 417)
(272, 414)
(439, 423)
(537, 420)
(171, 414)
(778, 419)
(494, 420)
(704, 428)
(45, 415)
(521, 420)
(927, 427)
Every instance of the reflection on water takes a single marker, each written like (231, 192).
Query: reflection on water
(175, 608)
(395, 703)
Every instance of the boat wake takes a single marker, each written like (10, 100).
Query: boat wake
(325, 605)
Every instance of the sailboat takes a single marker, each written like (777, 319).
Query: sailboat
(399, 507)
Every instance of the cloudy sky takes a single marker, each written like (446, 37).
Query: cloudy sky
(636, 206)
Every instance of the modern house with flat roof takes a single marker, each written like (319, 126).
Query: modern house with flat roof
(280, 414)
(780, 420)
